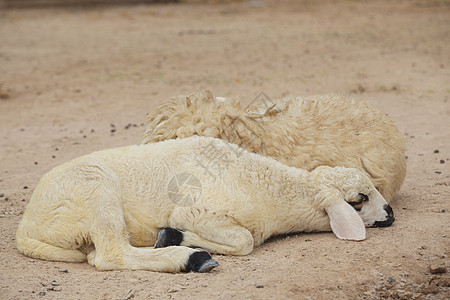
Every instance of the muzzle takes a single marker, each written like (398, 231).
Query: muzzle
(389, 218)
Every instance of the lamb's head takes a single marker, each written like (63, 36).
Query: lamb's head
(351, 202)
(184, 116)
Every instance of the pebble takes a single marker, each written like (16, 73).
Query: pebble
(436, 151)
(259, 286)
(391, 280)
(404, 294)
(437, 268)
(55, 283)
(442, 161)
(2, 195)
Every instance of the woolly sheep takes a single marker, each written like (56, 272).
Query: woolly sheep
(197, 191)
(301, 132)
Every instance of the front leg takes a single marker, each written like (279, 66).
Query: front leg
(214, 232)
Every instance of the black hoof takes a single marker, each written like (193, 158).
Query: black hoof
(200, 262)
(169, 237)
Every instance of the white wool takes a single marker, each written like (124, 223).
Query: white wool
(305, 132)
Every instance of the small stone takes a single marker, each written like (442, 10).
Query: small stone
(55, 283)
(442, 161)
(259, 286)
(436, 151)
(404, 294)
(437, 268)
(41, 293)
(25, 187)
(64, 271)
(391, 280)
(2, 195)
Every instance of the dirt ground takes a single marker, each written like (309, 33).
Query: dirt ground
(74, 80)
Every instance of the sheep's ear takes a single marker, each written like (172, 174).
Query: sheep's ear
(345, 222)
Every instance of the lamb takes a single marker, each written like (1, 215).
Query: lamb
(110, 207)
(301, 132)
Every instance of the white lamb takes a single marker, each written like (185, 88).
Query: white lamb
(301, 132)
(196, 191)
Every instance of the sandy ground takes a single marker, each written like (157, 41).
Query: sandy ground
(72, 80)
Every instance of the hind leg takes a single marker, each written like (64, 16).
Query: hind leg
(171, 259)
(113, 250)
(38, 249)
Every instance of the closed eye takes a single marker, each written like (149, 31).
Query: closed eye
(359, 203)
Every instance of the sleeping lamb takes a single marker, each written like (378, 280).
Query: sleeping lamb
(111, 206)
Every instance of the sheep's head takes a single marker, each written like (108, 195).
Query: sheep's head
(352, 202)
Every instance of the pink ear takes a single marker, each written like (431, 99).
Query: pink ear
(345, 222)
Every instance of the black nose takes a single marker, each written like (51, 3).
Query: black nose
(389, 218)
